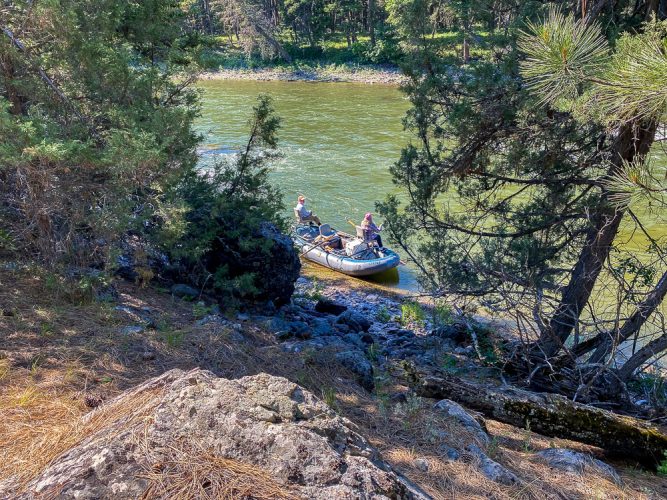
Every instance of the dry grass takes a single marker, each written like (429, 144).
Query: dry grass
(48, 380)
(40, 423)
(188, 472)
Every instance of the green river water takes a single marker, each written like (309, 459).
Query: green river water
(338, 141)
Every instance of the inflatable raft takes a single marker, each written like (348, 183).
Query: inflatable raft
(342, 252)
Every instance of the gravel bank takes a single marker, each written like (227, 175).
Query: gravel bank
(358, 74)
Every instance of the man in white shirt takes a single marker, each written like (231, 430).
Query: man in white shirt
(305, 215)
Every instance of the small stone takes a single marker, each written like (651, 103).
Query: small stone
(132, 330)
(354, 339)
(450, 453)
(357, 322)
(399, 397)
(577, 463)
(242, 317)
(367, 338)
(147, 355)
(422, 464)
(237, 337)
(321, 327)
(492, 469)
(471, 424)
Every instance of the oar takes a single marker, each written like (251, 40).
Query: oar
(315, 246)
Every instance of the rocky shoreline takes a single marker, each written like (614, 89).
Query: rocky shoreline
(372, 75)
(367, 332)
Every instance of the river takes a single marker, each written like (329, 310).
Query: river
(338, 141)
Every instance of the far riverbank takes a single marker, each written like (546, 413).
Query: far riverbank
(369, 74)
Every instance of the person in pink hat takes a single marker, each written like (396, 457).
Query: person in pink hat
(371, 231)
(304, 214)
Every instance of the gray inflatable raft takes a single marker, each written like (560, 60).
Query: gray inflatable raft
(366, 261)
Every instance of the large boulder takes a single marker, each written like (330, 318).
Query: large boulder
(255, 437)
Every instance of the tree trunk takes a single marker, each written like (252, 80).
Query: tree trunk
(651, 349)
(466, 50)
(273, 42)
(207, 23)
(13, 96)
(634, 141)
(633, 324)
(548, 414)
(371, 21)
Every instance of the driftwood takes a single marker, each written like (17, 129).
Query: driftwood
(548, 414)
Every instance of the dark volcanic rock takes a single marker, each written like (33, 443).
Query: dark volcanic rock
(183, 291)
(358, 363)
(173, 428)
(357, 322)
(330, 307)
(455, 332)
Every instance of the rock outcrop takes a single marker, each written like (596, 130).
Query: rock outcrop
(255, 437)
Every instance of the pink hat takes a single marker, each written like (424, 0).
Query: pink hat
(368, 216)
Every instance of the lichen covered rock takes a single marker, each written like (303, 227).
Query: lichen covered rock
(233, 436)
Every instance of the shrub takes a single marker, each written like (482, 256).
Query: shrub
(412, 312)
(662, 467)
(230, 242)
(383, 315)
(441, 315)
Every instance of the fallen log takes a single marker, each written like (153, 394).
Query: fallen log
(552, 415)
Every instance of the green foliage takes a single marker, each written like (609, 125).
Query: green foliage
(566, 56)
(329, 397)
(96, 145)
(315, 291)
(441, 314)
(650, 386)
(224, 211)
(373, 353)
(173, 338)
(382, 315)
(503, 199)
(662, 467)
(633, 85)
(200, 310)
(449, 363)
(412, 312)
(562, 52)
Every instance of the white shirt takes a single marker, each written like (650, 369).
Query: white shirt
(301, 209)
